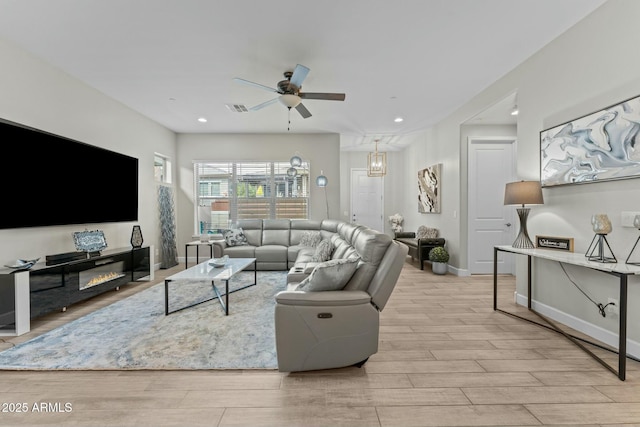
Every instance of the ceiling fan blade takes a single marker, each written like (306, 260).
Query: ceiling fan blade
(258, 85)
(299, 74)
(264, 104)
(325, 96)
(303, 111)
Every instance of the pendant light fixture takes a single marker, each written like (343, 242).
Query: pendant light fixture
(376, 162)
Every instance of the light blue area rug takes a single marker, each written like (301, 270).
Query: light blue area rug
(135, 333)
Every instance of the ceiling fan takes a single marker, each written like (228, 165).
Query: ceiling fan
(290, 92)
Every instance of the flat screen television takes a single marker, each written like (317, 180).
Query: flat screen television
(53, 180)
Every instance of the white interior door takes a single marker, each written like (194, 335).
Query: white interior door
(491, 223)
(367, 199)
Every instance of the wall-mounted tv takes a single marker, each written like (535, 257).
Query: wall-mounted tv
(53, 180)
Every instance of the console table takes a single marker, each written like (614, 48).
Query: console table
(620, 270)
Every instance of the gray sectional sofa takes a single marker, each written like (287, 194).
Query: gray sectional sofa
(339, 326)
(275, 243)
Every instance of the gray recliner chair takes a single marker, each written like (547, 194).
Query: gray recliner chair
(334, 329)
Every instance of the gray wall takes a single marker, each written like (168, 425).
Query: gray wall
(592, 65)
(321, 150)
(395, 190)
(39, 95)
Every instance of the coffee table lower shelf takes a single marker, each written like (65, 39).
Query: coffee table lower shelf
(204, 271)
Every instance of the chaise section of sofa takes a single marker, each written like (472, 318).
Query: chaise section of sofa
(336, 327)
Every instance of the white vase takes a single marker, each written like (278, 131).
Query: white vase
(439, 267)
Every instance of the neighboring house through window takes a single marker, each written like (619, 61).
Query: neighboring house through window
(228, 191)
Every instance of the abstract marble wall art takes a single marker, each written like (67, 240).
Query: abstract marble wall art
(429, 182)
(601, 146)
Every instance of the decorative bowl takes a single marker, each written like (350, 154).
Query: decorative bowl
(22, 264)
(219, 262)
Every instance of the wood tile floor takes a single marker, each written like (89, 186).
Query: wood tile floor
(445, 359)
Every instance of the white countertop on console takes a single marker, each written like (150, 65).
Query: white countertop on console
(574, 259)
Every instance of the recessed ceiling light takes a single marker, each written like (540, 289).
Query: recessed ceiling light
(202, 120)
(398, 119)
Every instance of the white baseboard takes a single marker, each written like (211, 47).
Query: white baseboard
(594, 331)
(462, 272)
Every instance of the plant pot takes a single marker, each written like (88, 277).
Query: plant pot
(439, 267)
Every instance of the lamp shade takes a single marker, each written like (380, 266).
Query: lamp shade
(321, 180)
(523, 193)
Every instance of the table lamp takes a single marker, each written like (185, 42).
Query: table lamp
(523, 193)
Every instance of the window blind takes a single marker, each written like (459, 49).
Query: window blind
(228, 191)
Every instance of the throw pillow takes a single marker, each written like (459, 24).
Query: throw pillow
(235, 237)
(331, 275)
(323, 251)
(310, 238)
(426, 233)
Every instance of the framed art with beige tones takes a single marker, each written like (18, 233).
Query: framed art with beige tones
(429, 183)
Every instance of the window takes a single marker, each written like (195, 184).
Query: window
(162, 169)
(228, 191)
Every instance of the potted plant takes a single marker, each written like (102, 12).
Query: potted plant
(439, 258)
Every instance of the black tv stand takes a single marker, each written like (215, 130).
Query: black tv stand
(55, 287)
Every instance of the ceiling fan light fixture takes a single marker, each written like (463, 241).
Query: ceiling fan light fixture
(289, 100)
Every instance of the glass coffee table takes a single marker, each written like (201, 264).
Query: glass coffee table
(207, 272)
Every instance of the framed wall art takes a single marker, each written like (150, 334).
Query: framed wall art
(601, 146)
(429, 183)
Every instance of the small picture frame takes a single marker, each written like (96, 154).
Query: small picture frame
(557, 243)
(89, 241)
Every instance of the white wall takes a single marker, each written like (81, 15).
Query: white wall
(38, 95)
(466, 132)
(592, 65)
(395, 192)
(321, 150)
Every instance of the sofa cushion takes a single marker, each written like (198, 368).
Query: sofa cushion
(243, 251)
(301, 226)
(371, 247)
(310, 238)
(331, 275)
(275, 232)
(271, 253)
(323, 251)
(235, 237)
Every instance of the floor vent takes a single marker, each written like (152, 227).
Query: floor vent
(237, 108)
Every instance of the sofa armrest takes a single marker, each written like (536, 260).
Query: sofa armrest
(325, 298)
(439, 241)
(218, 248)
(410, 234)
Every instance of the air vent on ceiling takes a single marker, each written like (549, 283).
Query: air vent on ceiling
(237, 108)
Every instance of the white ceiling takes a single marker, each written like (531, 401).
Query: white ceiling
(174, 60)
